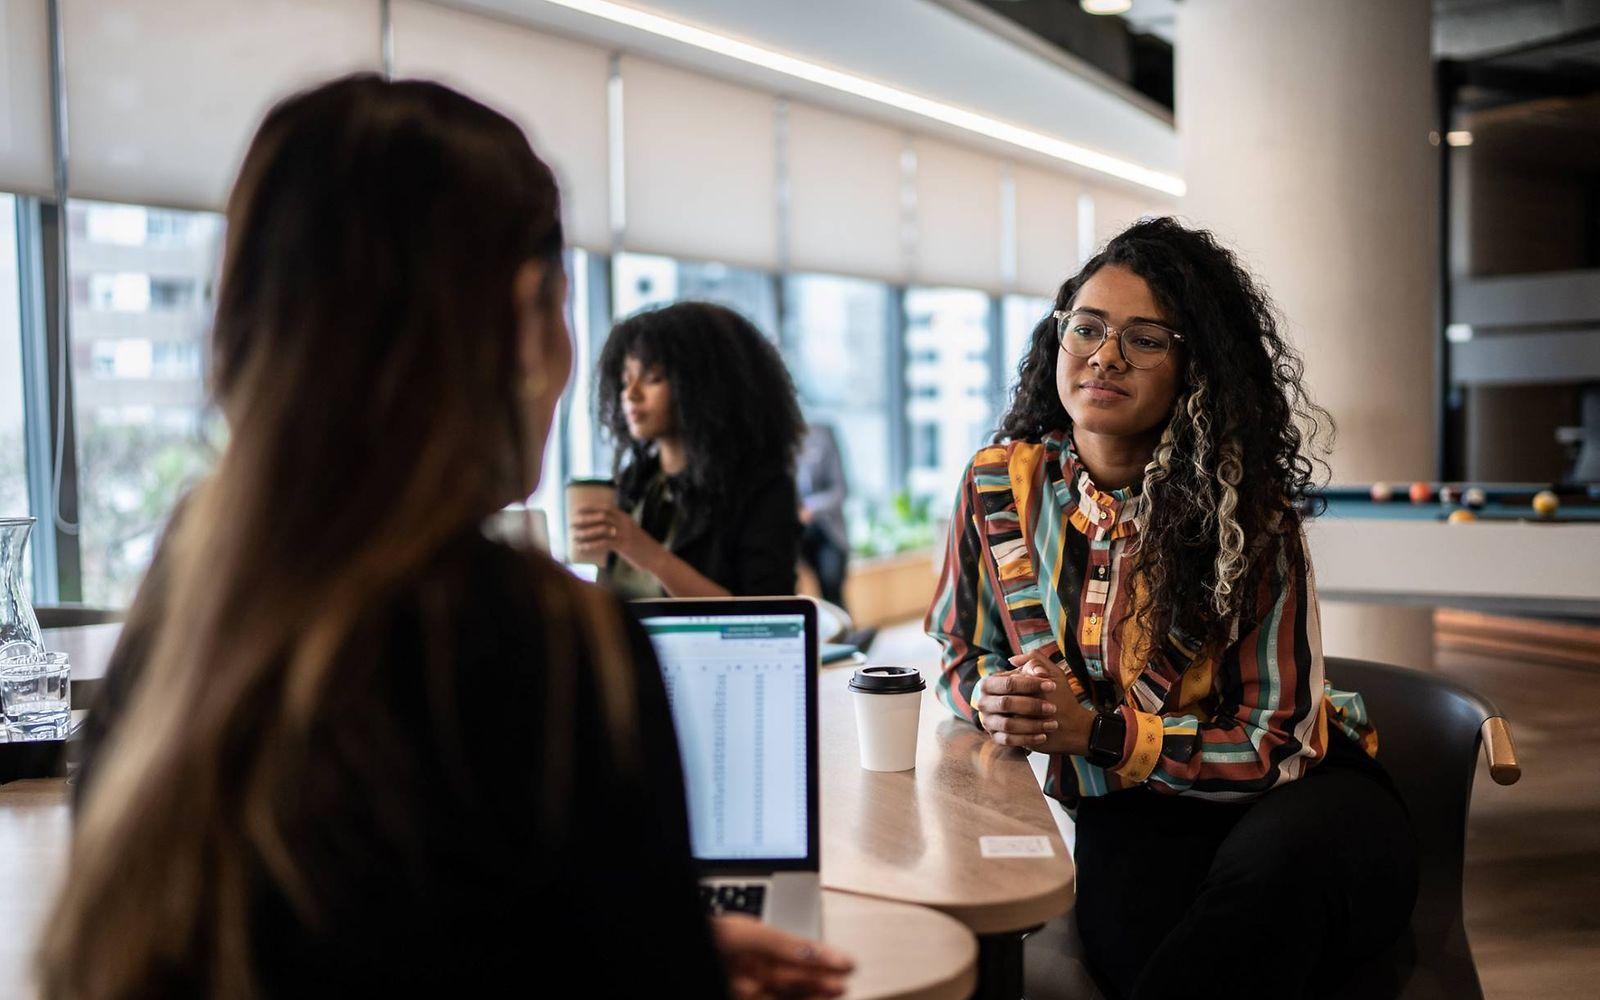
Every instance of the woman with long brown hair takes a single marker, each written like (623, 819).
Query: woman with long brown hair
(350, 745)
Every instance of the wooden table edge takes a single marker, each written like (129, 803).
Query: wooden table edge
(1008, 917)
(957, 986)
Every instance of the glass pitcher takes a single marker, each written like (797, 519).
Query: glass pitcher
(19, 629)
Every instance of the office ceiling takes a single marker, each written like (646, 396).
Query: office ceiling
(926, 47)
(1136, 48)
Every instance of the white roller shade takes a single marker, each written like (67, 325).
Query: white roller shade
(701, 167)
(1047, 229)
(25, 154)
(553, 88)
(1115, 211)
(844, 195)
(164, 95)
(958, 217)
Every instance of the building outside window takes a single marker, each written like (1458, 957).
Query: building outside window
(950, 405)
(142, 293)
(1019, 314)
(835, 339)
(642, 280)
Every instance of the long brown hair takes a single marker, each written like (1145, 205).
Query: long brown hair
(365, 356)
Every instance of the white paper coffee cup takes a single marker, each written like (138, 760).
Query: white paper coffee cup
(888, 704)
(586, 495)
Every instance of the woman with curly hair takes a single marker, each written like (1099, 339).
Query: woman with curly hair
(706, 426)
(1127, 589)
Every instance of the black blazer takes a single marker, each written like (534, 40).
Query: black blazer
(751, 548)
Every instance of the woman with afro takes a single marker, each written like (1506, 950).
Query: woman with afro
(706, 425)
(1127, 590)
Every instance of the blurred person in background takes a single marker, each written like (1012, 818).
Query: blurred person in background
(824, 540)
(706, 425)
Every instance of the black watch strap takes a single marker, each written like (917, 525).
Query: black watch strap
(1106, 736)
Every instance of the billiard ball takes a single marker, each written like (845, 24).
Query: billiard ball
(1449, 495)
(1474, 497)
(1421, 492)
(1546, 503)
(1462, 516)
(1382, 493)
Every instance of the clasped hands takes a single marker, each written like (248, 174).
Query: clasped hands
(1032, 706)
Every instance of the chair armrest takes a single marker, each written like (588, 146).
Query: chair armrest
(1500, 751)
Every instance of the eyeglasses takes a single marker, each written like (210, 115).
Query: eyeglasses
(1142, 345)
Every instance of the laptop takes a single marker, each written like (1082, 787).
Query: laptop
(741, 676)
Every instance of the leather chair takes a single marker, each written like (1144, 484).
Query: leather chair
(1429, 732)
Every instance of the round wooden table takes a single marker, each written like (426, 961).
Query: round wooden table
(35, 831)
(918, 836)
(902, 952)
(915, 836)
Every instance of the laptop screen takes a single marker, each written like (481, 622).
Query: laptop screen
(738, 684)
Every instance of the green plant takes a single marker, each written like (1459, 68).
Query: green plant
(902, 524)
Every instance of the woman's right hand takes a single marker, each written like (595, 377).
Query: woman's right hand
(612, 530)
(763, 961)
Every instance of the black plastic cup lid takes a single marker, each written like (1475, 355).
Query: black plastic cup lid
(886, 680)
(590, 481)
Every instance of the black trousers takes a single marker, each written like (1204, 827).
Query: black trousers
(1181, 897)
(827, 559)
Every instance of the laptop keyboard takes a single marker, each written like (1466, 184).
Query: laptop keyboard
(733, 898)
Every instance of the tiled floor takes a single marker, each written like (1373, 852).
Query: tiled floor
(1533, 849)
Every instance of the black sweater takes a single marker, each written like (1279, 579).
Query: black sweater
(751, 546)
(420, 811)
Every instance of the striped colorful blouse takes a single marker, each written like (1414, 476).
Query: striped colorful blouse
(1038, 560)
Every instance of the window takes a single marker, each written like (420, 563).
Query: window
(949, 392)
(571, 442)
(13, 449)
(141, 301)
(642, 280)
(1019, 314)
(835, 339)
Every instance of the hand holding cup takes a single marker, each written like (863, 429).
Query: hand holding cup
(588, 523)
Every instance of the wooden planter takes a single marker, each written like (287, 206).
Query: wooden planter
(884, 590)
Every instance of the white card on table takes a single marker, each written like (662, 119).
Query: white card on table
(1015, 847)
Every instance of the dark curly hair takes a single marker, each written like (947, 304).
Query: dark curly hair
(1221, 494)
(733, 404)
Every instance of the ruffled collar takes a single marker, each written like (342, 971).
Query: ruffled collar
(1096, 512)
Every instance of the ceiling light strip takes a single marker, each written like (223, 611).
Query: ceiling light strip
(882, 93)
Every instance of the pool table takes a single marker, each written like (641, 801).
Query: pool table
(1505, 502)
(1510, 560)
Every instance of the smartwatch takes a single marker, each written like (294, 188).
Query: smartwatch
(1106, 735)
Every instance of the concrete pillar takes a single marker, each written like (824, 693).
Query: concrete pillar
(1387, 633)
(1304, 126)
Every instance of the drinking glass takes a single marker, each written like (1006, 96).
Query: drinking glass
(36, 696)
